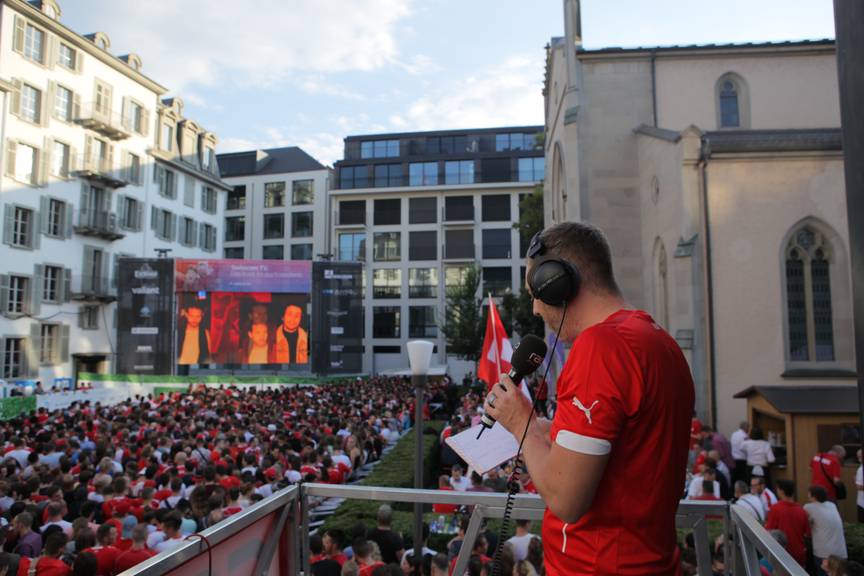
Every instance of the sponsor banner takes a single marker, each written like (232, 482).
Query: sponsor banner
(145, 290)
(291, 277)
(337, 324)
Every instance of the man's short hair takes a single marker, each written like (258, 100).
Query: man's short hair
(385, 515)
(585, 246)
(819, 493)
(361, 547)
(839, 451)
(25, 519)
(741, 486)
(337, 536)
(55, 543)
(708, 487)
(104, 531)
(786, 486)
(140, 533)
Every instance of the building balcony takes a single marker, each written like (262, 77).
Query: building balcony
(93, 288)
(100, 171)
(101, 119)
(100, 223)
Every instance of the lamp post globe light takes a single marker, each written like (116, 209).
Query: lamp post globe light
(419, 357)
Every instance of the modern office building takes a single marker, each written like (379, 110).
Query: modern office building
(276, 209)
(95, 166)
(418, 209)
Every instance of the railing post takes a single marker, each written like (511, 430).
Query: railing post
(474, 526)
(703, 547)
(304, 530)
(748, 554)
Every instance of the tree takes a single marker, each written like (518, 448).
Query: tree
(518, 311)
(463, 319)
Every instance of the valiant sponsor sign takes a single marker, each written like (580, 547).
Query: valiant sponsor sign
(337, 317)
(145, 313)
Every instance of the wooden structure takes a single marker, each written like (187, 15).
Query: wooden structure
(800, 421)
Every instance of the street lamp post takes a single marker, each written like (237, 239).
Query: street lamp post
(419, 356)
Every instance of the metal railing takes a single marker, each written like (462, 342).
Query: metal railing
(97, 223)
(92, 287)
(99, 117)
(284, 520)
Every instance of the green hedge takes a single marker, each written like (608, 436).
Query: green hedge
(855, 542)
(396, 470)
(15, 405)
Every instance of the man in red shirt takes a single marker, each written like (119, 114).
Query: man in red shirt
(49, 564)
(105, 551)
(825, 470)
(789, 517)
(137, 553)
(625, 385)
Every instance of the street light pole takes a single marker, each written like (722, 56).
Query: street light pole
(419, 356)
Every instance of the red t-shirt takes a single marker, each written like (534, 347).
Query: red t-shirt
(445, 508)
(792, 520)
(826, 478)
(105, 558)
(130, 558)
(625, 391)
(45, 567)
(369, 568)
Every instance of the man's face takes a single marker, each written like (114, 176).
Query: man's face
(258, 314)
(328, 543)
(291, 318)
(112, 536)
(194, 317)
(457, 473)
(755, 486)
(258, 334)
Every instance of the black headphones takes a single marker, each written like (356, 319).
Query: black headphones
(552, 281)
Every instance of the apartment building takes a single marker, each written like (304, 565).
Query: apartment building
(95, 166)
(419, 209)
(276, 208)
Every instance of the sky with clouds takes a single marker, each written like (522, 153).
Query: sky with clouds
(267, 73)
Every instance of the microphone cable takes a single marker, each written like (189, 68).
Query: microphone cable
(513, 484)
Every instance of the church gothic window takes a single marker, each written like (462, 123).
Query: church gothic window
(729, 117)
(731, 100)
(808, 297)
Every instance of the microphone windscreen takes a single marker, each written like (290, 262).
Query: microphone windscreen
(528, 356)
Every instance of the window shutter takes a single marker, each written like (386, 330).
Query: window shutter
(154, 215)
(43, 108)
(61, 285)
(82, 317)
(18, 37)
(31, 347)
(76, 106)
(88, 152)
(173, 191)
(110, 166)
(87, 272)
(52, 95)
(202, 236)
(193, 239)
(51, 45)
(8, 223)
(126, 120)
(45, 213)
(43, 157)
(105, 273)
(67, 284)
(156, 174)
(15, 103)
(2, 356)
(11, 147)
(145, 121)
(79, 60)
(189, 191)
(139, 207)
(4, 293)
(212, 238)
(84, 207)
(115, 270)
(35, 238)
(173, 222)
(37, 285)
(67, 214)
(122, 210)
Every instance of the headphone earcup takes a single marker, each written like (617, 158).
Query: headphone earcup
(554, 282)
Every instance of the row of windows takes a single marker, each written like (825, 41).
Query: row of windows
(454, 144)
(171, 227)
(274, 226)
(274, 252)
(302, 194)
(424, 210)
(451, 172)
(36, 45)
(423, 245)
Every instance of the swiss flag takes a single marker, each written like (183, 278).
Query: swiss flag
(497, 351)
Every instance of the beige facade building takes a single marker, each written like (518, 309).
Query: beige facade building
(94, 165)
(717, 173)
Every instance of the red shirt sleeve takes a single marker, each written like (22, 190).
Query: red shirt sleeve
(599, 389)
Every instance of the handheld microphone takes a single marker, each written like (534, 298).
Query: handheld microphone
(527, 357)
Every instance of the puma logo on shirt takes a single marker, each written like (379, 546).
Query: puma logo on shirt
(587, 411)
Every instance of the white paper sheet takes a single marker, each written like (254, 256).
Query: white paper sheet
(495, 446)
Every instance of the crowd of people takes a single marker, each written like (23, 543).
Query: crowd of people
(739, 470)
(92, 490)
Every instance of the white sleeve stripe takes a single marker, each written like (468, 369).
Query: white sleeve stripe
(583, 444)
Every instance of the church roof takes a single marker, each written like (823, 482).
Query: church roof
(701, 47)
(807, 399)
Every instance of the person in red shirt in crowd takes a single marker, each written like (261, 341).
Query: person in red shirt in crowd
(444, 484)
(49, 563)
(625, 385)
(137, 553)
(825, 470)
(789, 517)
(363, 557)
(334, 541)
(105, 551)
(707, 491)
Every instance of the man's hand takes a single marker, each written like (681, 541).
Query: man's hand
(508, 406)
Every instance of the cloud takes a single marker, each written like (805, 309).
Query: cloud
(326, 147)
(320, 84)
(259, 43)
(507, 94)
